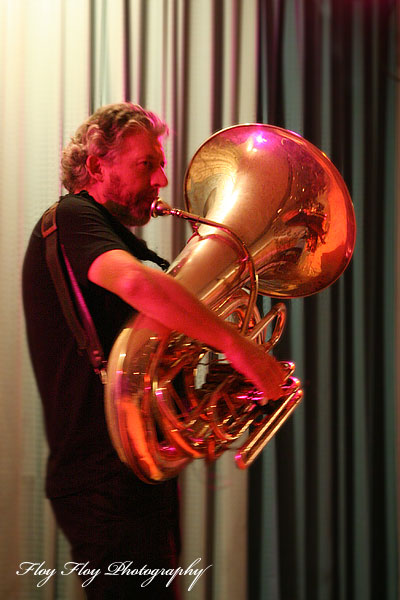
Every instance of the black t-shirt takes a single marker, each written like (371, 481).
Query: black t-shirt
(81, 453)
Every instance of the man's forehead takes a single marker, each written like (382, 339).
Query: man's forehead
(143, 143)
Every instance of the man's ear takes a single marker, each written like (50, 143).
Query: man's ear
(95, 167)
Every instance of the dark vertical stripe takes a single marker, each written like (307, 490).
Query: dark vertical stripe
(274, 30)
(376, 51)
(236, 50)
(176, 102)
(217, 64)
(311, 446)
(127, 50)
(270, 47)
(142, 75)
(389, 310)
(371, 228)
(288, 569)
(181, 67)
(341, 144)
(285, 459)
(254, 530)
(312, 72)
(262, 87)
(373, 289)
(312, 86)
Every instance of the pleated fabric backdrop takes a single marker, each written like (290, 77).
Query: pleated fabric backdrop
(315, 517)
(328, 71)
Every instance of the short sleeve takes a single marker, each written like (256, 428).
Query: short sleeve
(85, 233)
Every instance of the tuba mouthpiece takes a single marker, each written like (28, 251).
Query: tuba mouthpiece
(159, 208)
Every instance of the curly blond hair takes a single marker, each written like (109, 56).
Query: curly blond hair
(101, 135)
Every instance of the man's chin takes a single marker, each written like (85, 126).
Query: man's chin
(138, 222)
(125, 217)
(132, 221)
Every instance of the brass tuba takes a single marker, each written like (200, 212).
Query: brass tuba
(270, 215)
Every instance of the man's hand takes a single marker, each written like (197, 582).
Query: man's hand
(259, 367)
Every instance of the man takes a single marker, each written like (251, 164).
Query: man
(113, 168)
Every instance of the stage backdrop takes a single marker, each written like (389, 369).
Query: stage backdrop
(316, 516)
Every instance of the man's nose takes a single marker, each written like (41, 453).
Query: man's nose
(159, 178)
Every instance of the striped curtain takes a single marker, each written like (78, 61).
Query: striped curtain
(325, 491)
(315, 517)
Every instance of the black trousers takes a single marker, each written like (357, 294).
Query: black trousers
(109, 534)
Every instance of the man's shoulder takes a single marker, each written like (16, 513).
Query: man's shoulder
(76, 203)
(78, 208)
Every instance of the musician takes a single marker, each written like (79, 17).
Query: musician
(113, 168)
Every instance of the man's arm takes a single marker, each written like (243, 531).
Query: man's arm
(164, 300)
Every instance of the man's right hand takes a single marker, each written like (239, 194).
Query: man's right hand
(262, 369)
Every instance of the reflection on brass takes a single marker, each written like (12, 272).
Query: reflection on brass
(271, 215)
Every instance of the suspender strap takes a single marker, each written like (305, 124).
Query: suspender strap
(82, 326)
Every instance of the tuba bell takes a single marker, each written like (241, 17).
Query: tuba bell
(271, 215)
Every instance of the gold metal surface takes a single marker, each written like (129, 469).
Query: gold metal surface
(283, 197)
(272, 214)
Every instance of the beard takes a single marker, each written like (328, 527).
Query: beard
(132, 210)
